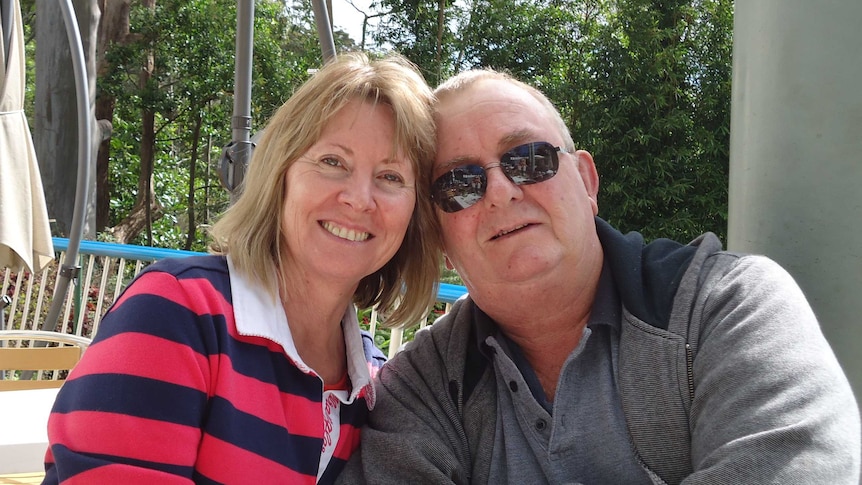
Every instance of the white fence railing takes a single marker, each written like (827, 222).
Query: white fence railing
(106, 268)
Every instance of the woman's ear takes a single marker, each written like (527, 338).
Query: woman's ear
(449, 264)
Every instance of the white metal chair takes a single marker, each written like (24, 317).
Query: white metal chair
(31, 357)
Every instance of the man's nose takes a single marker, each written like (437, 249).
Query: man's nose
(499, 188)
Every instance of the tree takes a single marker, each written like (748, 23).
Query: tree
(421, 30)
(643, 86)
(190, 96)
(653, 116)
(55, 133)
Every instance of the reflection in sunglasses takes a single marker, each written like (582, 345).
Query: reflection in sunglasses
(525, 164)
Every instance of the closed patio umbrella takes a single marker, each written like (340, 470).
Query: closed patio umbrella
(25, 236)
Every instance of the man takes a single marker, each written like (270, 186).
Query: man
(584, 356)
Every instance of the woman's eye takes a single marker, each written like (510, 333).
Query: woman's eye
(393, 178)
(331, 161)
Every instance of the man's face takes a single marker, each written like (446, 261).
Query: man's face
(513, 234)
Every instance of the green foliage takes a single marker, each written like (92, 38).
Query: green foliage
(193, 46)
(644, 87)
(411, 28)
(654, 119)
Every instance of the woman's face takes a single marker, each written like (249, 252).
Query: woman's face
(349, 198)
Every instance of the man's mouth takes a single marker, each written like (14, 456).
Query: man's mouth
(509, 231)
(344, 233)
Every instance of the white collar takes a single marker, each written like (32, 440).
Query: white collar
(258, 313)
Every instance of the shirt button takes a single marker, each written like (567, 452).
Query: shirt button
(513, 386)
(541, 424)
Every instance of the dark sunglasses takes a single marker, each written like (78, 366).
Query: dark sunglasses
(525, 164)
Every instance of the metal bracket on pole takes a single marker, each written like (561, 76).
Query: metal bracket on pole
(70, 272)
(236, 155)
(233, 165)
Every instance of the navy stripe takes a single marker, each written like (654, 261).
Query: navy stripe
(300, 453)
(141, 397)
(196, 267)
(273, 367)
(333, 469)
(207, 335)
(154, 315)
(203, 480)
(355, 414)
(75, 463)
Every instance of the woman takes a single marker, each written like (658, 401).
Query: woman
(248, 366)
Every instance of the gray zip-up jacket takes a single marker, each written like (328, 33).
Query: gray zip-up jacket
(724, 375)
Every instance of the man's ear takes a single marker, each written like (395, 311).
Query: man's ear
(590, 177)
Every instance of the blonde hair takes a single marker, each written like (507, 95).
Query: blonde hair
(250, 231)
(464, 80)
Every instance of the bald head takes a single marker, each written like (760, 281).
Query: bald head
(477, 79)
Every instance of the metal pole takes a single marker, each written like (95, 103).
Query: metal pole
(796, 155)
(324, 30)
(236, 155)
(69, 268)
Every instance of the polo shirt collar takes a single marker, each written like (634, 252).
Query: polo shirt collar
(258, 313)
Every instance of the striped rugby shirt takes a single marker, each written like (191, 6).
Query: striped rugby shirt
(193, 377)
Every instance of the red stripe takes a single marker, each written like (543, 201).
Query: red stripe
(126, 475)
(123, 435)
(299, 415)
(348, 441)
(133, 354)
(227, 463)
(144, 355)
(196, 294)
(270, 345)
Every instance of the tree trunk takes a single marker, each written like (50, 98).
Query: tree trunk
(441, 25)
(104, 110)
(196, 138)
(55, 132)
(146, 207)
(114, 29)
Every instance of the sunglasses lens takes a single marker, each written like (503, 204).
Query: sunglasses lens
(465, 185)
(530, 163)
(459, 188)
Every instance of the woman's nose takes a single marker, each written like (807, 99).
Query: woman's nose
(358, 194)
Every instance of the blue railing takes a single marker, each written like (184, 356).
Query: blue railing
(446, 292)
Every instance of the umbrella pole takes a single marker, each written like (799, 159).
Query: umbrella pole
(69, 269)
(236, 155)
(324, 30)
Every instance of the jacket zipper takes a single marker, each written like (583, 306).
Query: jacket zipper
(689, 367)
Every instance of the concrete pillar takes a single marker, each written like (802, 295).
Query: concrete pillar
(796, 154)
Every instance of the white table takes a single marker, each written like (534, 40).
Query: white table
(24, 429)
